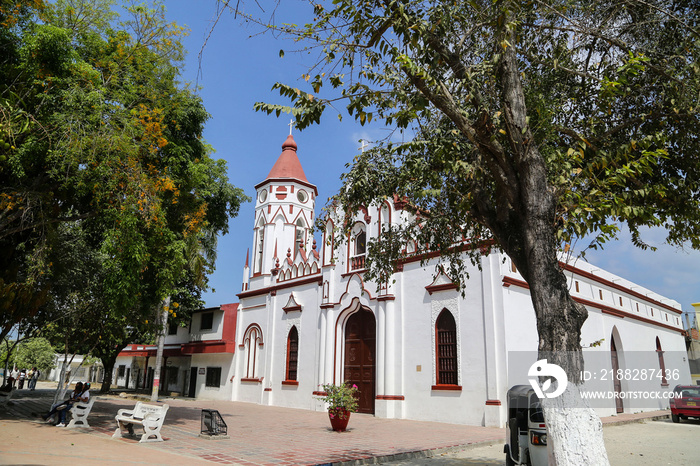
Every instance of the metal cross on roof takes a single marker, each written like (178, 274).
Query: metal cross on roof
(291, 125)
(363, 145)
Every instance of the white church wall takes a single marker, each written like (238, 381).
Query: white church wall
(414, 305)
(251, 356)
(495, 350)
(635, 338)
(421, 310)
(283, 392)
(493, 319)
(520, 322)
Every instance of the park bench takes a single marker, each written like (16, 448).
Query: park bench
(5, 397)
(79, 413)
(150, 417)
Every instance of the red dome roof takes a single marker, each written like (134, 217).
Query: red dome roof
(288, 165)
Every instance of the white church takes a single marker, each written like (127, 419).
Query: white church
(416, 347)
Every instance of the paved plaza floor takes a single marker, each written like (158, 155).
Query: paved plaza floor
(258, 435)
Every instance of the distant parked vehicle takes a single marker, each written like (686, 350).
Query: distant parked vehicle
(686, 406)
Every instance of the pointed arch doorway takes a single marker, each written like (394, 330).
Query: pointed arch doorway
(617, 381)
(359, 367)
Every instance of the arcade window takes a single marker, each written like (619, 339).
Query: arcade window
(446, 342)
(292, 354)
(252, 340)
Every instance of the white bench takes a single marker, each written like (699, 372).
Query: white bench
(150, 417)
(79, 413)
(5, 397)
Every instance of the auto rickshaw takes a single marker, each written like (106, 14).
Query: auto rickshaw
(526, 432)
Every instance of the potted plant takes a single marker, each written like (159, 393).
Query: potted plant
(342, 400)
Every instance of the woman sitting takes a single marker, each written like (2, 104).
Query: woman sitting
(81, 394)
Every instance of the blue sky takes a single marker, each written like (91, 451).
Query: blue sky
(239, 67)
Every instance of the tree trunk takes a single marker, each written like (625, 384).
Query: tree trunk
(108, 364)
(528, 234)
(63, 384)
(575, 432)
(162, 331)
(8, 356)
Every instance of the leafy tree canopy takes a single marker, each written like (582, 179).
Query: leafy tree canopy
(527, 124)
(35, 352)
(103, 147)
(488, 94)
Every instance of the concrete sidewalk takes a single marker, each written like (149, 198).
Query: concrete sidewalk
(259, 435)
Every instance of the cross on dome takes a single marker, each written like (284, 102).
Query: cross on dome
(291, 125)
(288, 166)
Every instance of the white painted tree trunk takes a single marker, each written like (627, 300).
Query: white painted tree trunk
(574, 431)
(63, 382)
(162, 331)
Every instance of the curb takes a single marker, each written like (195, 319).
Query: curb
(637, 421)
(418, 454)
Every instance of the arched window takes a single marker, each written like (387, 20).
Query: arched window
(384, 218)
(300, 235)
(252, 340)
(292, 354)
(259, 246)
(328, 243)
(446, 349)
(662, 364)
(360, 243)
(359, 247)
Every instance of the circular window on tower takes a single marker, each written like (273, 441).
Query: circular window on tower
(262, 196)
(302, 195)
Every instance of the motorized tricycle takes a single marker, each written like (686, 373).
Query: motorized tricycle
(526, 431)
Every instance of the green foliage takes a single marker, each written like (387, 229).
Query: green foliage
(340, 397)
(110, 198)
(35, 352)
(488, 95)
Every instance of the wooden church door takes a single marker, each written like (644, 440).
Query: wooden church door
(360, 350)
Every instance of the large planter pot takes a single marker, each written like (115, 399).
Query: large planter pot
(339, 419)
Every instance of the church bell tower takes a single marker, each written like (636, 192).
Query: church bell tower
(284, 216)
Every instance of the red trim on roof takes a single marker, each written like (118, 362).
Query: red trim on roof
(508, 281)
(208, 347)
(583, 273)
(137, 354)
(147, 353)
(317, 277)
(443, 287)
(288, 180)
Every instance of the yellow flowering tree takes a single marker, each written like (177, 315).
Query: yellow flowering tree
(104, 148)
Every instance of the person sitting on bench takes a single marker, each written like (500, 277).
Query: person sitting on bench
(81, 393)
